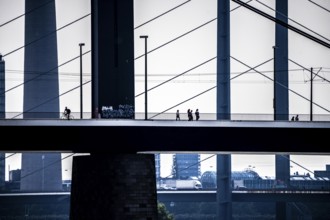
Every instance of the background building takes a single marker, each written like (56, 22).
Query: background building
(186, 165)
(323, 173)
(157, 164)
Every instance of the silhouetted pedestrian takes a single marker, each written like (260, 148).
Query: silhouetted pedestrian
(189, 112)
(297, 118)
(197, 114)
(292, 119)
(177, 115)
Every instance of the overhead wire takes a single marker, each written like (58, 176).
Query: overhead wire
(178, 75)
(280, 84)
(308, 70)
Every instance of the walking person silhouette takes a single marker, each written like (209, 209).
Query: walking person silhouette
(197, 114)
(177, 115)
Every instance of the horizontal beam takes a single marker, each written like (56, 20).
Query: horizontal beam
(242, 197)
(113, 136)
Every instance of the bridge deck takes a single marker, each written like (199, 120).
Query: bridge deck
(112, 136)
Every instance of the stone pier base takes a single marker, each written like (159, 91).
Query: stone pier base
(116, 187)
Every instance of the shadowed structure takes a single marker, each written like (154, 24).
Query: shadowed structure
(41, 92)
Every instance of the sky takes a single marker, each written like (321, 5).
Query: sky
(252, 39)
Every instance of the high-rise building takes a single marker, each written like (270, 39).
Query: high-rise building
(2, 115)
(186, 166)
(157, 164)
(41, 92)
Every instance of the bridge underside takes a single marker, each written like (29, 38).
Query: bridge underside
(132, 136)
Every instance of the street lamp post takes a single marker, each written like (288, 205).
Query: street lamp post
(311, 102)
(81, 86)
(145, 83)
(274, 78)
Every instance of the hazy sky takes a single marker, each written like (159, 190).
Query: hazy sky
(252, 38)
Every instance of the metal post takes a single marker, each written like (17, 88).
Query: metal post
(274, 99)
(81, 85)
(146, 73)
(43, 173)
(311, 103)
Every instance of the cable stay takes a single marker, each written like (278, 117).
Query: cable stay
(48, 165)
(177, 38)
(51, 99)
(314, 32)
(302, 167)
(327, 110)
(2, 159)
(44, 73)
(172, 9)
(28, 12)
(176, 76)
(319, 6)
(205, 91)
(50, 33)
(282, 23)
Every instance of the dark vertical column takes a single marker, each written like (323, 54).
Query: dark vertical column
(112, 54)
(224, 186)
(114, 187)
(282, 162)
(223, 61)
(41, 86)
(2, 171)
(2, 116)
(2, 88)
(281, 63)
(41, 91)
(223, 107)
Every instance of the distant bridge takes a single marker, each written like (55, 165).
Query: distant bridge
(245, 196)
(179, 196)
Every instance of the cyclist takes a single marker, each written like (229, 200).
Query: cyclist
(67, 112)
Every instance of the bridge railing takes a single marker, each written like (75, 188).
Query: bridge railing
(166, 116)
